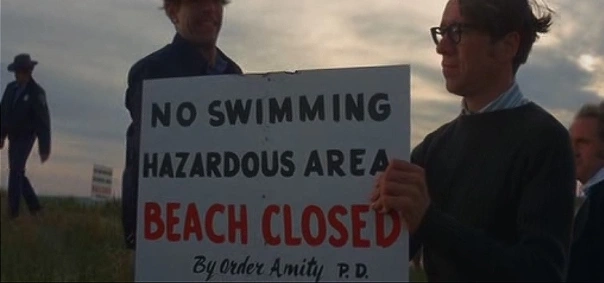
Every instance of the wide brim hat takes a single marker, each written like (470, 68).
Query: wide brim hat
(21, 62)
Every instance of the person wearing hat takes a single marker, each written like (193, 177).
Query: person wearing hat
(25, 117)
(192, 52)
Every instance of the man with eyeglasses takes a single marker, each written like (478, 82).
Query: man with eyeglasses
(489, 195)
(192, 52)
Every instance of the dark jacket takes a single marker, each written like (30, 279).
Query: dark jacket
(26, 115)
(587, 249)
(177, 59)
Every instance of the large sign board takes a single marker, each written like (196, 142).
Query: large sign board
(267, 177)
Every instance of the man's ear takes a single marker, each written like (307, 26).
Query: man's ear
(172, 12)
(508, 46)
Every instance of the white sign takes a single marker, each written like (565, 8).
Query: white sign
(102, 180)
(268, 177)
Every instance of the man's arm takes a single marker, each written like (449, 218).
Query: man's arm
(133, 99)
(544, 217)
(417, 158)
(3, 122)
(42, 124)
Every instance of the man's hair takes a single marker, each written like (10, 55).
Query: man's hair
(593, 111)
(501, 17)
(177, 2)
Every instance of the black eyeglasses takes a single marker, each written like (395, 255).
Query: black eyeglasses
(452, 31)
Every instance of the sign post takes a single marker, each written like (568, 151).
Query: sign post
(267, 177)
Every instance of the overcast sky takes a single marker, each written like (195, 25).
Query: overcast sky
(85, 48)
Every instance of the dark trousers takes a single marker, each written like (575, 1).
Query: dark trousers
(19, 149)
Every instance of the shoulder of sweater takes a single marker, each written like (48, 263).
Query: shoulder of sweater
(441, 130)
(139, 69)
(236, 68)
(542, 124)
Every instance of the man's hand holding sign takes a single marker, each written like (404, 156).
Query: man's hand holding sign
(402, 188)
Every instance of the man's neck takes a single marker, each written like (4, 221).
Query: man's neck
(483, 96)
(23, 81)
(209, 54)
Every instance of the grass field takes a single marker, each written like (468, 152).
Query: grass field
(70, 241)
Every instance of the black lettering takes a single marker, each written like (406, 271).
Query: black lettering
(270, 167)
(197, 168)
(380, 162)
(259, 112)
(343, 269)
(248, 170)
(217, 119)
(379, 112)
(238, 112)
(162, 116)
(336, 107)
(233, 267)
(356, 159)
(354, 109)
(183, 156)
(180, 114)
(314, 164)
(224, 266)
(335, 158)
(213, 163)
(231, 164)
(288, 167)
(361, 271)
(276, 268)
(310, 113)
(280, 112)
(166, 169)
(241, 266)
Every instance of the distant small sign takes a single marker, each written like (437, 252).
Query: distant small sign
(102, 181)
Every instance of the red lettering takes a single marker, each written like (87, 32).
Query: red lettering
(269, 239)
(240, 224)
(357, 225)
(153, 216)
(338, 226)
(192, 223)
(321, 225)
(157, 227)
(290, 240)
(210, 215)
(380, 229)
(171, 221)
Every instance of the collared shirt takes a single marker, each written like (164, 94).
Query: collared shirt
(219, 67)
(512, 98)
(597, 178)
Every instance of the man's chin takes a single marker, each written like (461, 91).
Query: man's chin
(453, 88)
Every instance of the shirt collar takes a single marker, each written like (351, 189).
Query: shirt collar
(186, 47)
(497, 104)
(595, 179)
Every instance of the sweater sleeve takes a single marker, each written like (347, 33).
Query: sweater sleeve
(417, 157)
(543, 223)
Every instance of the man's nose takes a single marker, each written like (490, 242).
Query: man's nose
(445, 46)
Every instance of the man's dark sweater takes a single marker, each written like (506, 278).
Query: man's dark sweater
(502, 188)
(587, 249)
